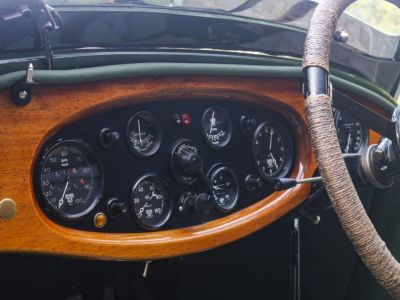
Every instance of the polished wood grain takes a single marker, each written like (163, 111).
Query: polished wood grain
(24, 129)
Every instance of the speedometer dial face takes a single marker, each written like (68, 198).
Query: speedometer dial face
(216, 127)
(70, 179)
(143, 134)
(272, 151)
(351, 134)
(150, 202)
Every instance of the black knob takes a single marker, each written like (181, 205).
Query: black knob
(186, 204)
(202, 204)
(117, 207)
(191, 163)
(246, 124)
(108, 137)
(252, 183)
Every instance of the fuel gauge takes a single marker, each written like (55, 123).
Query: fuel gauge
(143, 134)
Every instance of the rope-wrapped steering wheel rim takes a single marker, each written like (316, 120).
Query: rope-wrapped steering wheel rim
(318, 106)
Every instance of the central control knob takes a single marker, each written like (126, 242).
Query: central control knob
(191, 162)
(186, 163)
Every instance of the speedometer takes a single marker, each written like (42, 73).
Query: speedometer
(70, 181)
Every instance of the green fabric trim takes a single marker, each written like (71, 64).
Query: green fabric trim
(62, 77)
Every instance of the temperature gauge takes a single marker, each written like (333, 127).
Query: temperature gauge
(150, 202)
(143, 134)
(224, 187)
(216, 127)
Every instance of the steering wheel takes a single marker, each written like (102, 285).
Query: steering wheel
(351, 213)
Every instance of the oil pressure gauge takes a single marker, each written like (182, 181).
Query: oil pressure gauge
(143, 134)
(216, 127)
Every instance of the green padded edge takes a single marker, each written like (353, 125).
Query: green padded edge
(62, 77)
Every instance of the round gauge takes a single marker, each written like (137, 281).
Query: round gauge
(150, 202)
(224, 187)
(272, 151)
(144, 134)
(70, 180)
(216, 127)
(351, 134)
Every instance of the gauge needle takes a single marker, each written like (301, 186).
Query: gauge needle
(141, 210)
(274, 160)
(155, 195)
(348, 143)
(212, 122)
(270, 140)
(61, 202)
(140, 133)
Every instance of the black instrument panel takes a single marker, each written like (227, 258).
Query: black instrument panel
(162, 164)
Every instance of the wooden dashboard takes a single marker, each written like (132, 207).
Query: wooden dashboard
(25, 129)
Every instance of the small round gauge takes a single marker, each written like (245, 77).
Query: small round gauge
(272, 151)
(150, 202)
(70, 180)
(143, 134)
(225, 188)
(216, 127)
(351, 134)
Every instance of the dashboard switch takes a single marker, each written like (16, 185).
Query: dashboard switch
(117, 207)
(252, 183)
(108, 137)
(247, 124)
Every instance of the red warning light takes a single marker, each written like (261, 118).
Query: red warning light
(186, 119)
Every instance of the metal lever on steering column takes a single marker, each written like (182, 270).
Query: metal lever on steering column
(281, 184)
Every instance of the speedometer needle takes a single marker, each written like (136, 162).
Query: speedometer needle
(141, 210)
(61, 201)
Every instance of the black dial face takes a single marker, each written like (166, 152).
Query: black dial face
(225, 188)
(150, 202)
(216, 127)
(351, 134)
(144, 134)
(272, 151)
(70, 179)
